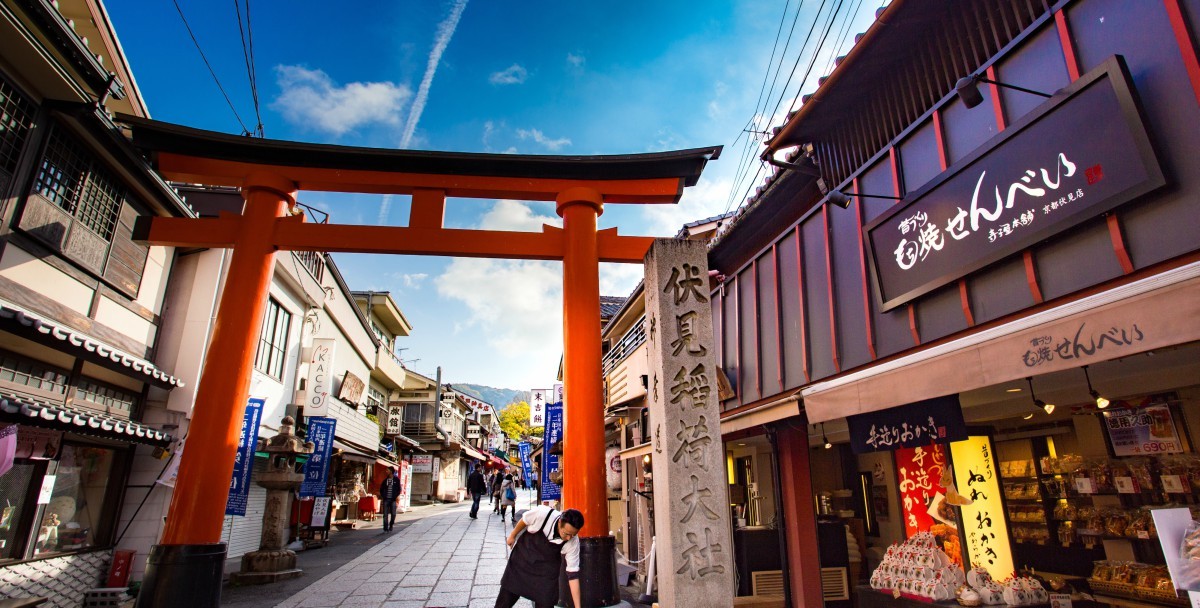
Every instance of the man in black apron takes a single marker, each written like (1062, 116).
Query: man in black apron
(540, 542)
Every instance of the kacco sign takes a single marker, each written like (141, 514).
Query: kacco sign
(319, 383)
(1082, 153)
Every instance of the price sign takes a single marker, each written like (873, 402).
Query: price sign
(1060, 600)
(1084, 485)
(1125, 485)
(1173, 484)
(1143, 534)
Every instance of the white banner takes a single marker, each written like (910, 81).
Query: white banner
(320, 377)
(537, 407)
(558, 394)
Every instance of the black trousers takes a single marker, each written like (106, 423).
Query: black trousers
(508, 599)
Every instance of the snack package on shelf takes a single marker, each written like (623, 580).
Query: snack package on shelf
(1189, 552)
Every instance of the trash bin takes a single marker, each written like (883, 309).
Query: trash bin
(183, 576)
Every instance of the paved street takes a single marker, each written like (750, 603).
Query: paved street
(444, 559)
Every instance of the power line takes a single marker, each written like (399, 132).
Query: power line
(209, 66)
(247, 36)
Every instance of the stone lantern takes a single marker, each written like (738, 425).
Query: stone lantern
(272, 562)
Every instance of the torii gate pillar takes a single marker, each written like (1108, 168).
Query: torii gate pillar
(584, 481)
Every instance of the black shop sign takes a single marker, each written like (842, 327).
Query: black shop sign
(1080, 154)
(937, 420)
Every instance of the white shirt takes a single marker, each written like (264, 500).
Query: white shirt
(534, 519)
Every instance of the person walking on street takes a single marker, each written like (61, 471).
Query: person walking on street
(497, 481)
(389, 495)
(508, 497)
(477, 487)
(540, 543)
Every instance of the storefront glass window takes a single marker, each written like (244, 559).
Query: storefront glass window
(74, 518)
(14, 503)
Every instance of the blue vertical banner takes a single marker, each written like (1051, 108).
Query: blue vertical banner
(553, 434)
(243, 462)
(524, 449)
(320, 432)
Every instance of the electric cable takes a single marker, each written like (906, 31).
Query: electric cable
(246, 33)
(209, 66)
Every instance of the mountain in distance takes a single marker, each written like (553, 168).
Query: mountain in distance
(499, 397)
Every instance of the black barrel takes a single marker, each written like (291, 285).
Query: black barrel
(597, 574)
(183, 576)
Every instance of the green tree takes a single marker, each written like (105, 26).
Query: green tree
(514, 421)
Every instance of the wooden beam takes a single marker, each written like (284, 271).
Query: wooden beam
(211, 172)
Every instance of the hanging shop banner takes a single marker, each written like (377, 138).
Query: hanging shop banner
(1147, 430)
(320, 432)
(558, 396)
(917, 424)
(8, 447)
(395, 416)
(551, 435)
(1082, 153)
(352, 389)
(243, 462)
(34, 443)
(537, 407)
(919, 473)
(525, 450)
(984, 526)
(319, 383)
(171, 473)
(422, 463)
(320, 512)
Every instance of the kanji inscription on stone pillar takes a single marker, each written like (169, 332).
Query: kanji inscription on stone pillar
(695, 551)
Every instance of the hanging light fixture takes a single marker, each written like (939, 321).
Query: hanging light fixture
(824, 437)
(1101, 402)
(1046, 407)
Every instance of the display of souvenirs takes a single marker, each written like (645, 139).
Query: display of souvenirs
(1129, 578)
(1021, 491)
(1026, 514)
(918, 567)
(1017, 468)
(1189, 550)
(1030, 534)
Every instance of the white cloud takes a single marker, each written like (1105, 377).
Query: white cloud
(513, 74)
(411, 280)
(706, 199)
(576, 60)
(536, 135)
(517, 303)
(310, 98)
(716, 109)
(620, 279)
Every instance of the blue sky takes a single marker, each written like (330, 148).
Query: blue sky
(486, 76)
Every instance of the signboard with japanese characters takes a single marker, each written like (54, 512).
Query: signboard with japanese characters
(1082, 153)
(395, 418)
(243, 463)
(917, 424)
(923, 505)
(1141, 431)
(551, 434)
(695, 553)
(984, 528)
(352, 389)
(422, 463)
(319, 383)
(537, 407)
(320, 432)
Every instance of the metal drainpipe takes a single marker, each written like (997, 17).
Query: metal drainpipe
(780, 527)
(437, 420)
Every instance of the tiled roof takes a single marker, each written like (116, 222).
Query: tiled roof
(25, 410)
(610, 305)
(90, 348)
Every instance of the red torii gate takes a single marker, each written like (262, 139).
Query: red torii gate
(271, 172)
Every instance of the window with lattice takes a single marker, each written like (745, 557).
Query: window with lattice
(273, 340)
(71, 178)
(16, 119)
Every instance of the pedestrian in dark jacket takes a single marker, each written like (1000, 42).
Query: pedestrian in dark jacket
(389, 495)
(497, 481)
(477, 487)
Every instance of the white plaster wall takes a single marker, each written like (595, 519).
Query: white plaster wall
(22, 267)
(153, 288)
(188, 314)
(124, 321)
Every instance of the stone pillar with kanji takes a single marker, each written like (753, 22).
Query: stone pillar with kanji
(694, 549)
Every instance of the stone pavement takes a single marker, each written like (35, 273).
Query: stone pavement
(443, 560)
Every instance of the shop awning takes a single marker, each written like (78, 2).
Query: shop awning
(349, 452)
(760, 415)
(24, 410)
(497, 461)
(406, 442)
(58, 337)
(473, 453)
(1155, 312)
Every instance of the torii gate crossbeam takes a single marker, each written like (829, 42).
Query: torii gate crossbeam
(271, 172)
